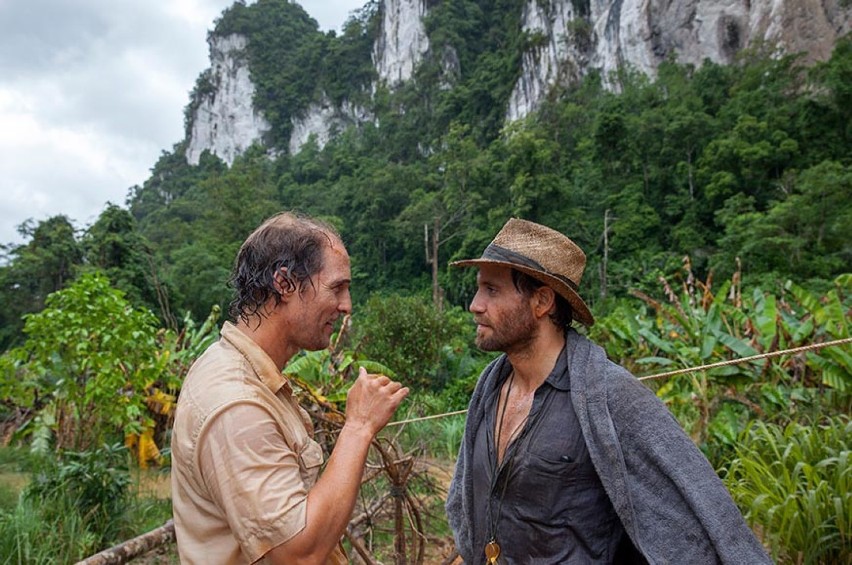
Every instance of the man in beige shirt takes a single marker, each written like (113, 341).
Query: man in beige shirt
(245, 484)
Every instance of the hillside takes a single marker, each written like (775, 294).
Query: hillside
(406, 131)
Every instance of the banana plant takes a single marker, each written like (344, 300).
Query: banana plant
(827, 318)
(325, 375)
(696, 326)
(176, 353)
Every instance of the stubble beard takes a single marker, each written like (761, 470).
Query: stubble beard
(517, 331)
(315, 337)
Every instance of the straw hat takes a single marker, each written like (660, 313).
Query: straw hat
(544, 254)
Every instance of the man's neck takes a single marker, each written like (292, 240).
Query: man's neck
(268, 337)
(533, 363)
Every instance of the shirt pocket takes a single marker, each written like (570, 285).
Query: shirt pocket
(310, 460)
(554, 491)
(560, 468)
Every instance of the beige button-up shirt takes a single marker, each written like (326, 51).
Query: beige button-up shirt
(243, 457)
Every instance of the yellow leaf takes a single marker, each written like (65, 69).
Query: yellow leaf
(148, 450)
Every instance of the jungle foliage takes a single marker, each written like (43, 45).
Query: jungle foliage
(719, 163)
(740, 174)
(793, 482)
(747, 162)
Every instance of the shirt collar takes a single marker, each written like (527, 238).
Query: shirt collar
(559, 377)
(263, 365)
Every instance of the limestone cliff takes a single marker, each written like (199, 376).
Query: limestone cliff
(322, 121)
(397, 51)
(579, 35)
(402, 41)
(567, 40)
(224, 120)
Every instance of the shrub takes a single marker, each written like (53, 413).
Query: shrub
(409, 335)
(89, 358)
(92, 486)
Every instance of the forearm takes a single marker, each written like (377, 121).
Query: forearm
(370, 403)
(330, 502)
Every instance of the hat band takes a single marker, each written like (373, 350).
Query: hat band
(497, 253)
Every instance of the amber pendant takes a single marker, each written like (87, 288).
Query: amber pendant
(492, 552)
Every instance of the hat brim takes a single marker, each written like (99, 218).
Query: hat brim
(581, 312)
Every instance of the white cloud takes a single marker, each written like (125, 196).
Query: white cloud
(92, 91)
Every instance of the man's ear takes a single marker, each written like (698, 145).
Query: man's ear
(283, 284)
(543, 301)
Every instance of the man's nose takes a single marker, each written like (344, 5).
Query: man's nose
(345, 305)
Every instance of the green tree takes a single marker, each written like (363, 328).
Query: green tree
(114, 246)
(407, 334)
(748, 159)
(45, 264)
(804, 234)
(48, 261)
(89, 357)
(199, 275)
(440, 211)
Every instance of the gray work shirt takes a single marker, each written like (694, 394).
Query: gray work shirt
(554, 508)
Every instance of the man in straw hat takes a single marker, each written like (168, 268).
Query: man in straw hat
(566, 457)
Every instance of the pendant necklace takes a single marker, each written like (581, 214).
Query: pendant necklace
(492, 548)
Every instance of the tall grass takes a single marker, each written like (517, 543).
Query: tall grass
(793, 484)
(74, 507)
(31, 534)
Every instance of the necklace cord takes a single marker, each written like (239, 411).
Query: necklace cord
(510, 453)
(495, 466)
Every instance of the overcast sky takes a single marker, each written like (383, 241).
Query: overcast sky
(91, 93)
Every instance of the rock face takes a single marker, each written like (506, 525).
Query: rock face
(568, 39)
(558, 58)
(225, 121)
(576, 36)
(401, 45)
(402, 41)
(323, 120)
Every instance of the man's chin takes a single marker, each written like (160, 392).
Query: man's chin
(320, 343)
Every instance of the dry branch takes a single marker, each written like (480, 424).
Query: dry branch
(133, 548)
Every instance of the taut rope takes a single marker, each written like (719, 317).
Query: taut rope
(751, 358)
(794, 350)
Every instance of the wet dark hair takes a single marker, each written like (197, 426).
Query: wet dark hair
(562, 316)
(288, 245)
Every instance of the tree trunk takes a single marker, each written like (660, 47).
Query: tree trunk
(605, 253)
